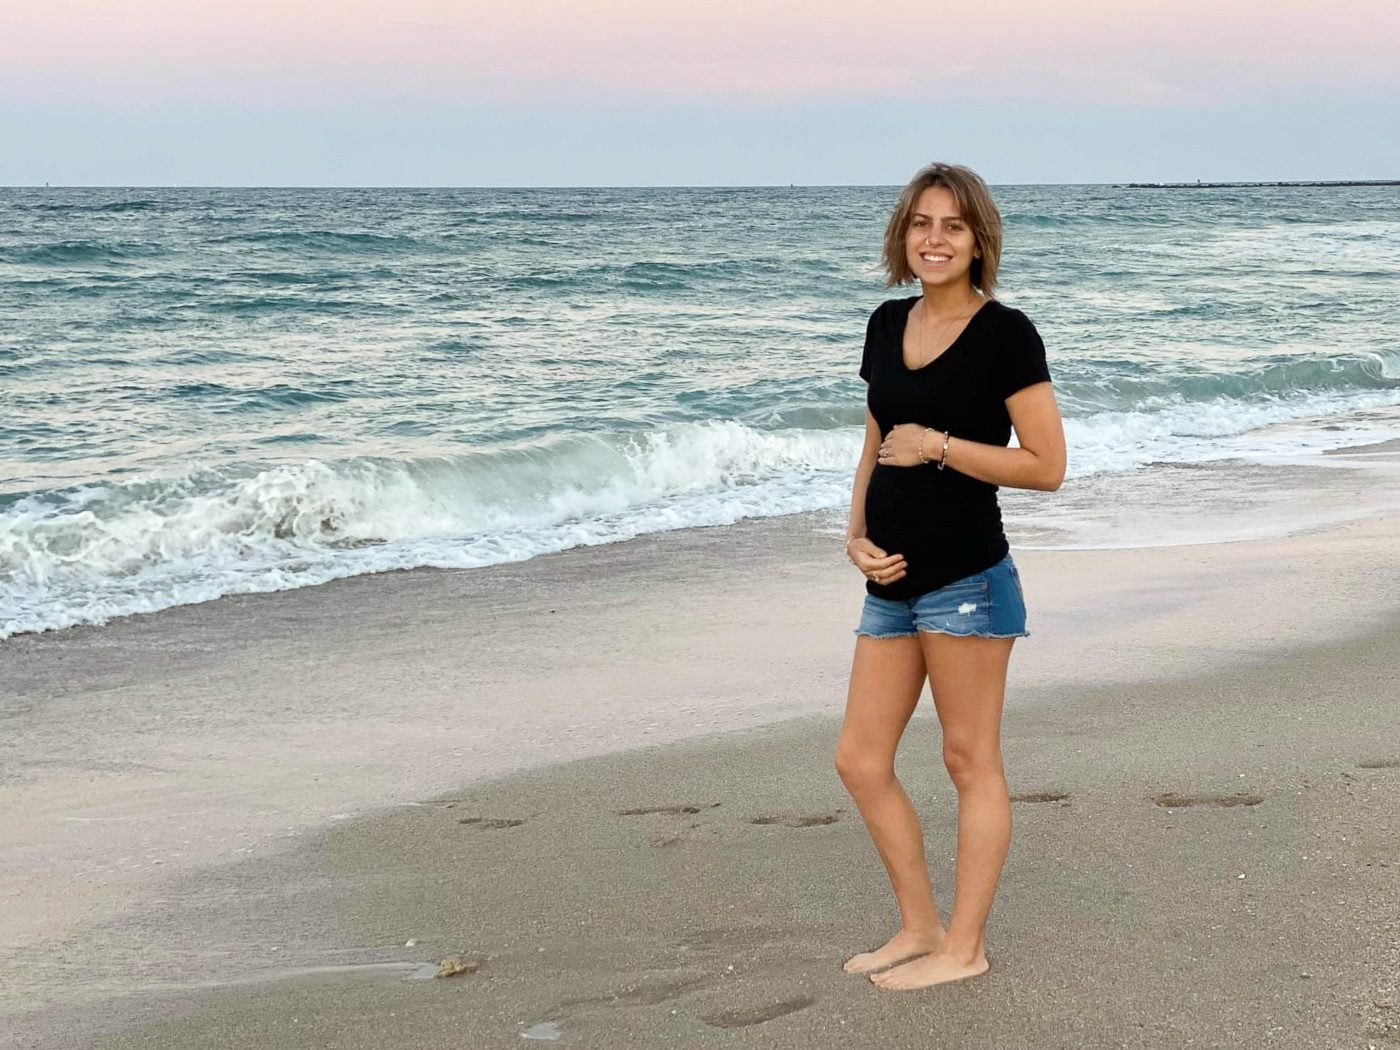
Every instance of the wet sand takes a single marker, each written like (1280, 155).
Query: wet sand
(605, 777)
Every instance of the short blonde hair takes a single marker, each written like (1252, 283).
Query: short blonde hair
(977, 208)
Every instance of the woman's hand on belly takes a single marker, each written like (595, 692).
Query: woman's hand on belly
(874, 563)
(902, 445)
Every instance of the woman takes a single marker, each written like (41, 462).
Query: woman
(951, 372)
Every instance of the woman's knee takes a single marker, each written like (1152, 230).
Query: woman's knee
(859, 769)
(969, 761)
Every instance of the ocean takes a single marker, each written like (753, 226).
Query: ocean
(219, 391)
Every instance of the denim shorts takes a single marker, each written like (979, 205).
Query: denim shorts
(989, 604)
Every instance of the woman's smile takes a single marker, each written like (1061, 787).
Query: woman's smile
(940, 244)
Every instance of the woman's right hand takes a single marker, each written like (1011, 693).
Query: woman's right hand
(874, 563)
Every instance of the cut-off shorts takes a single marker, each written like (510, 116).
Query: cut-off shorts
(989, 604)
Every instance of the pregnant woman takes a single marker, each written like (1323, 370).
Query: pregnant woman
(951, 372)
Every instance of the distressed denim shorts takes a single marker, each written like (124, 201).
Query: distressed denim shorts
(989, 604)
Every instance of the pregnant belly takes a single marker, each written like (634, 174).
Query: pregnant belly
(909, 509)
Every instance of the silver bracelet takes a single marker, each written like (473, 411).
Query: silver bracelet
(943, 459)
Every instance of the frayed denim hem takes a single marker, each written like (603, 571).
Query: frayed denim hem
(938, 630)
(973, 634)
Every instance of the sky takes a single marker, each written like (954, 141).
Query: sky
(728, 92)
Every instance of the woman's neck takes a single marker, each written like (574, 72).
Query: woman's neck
(949, 301)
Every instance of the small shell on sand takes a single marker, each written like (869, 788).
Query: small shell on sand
(455, 964)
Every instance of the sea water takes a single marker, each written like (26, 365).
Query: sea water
(216, 391)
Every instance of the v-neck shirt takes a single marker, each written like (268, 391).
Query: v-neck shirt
(946, 524)
(904, 329)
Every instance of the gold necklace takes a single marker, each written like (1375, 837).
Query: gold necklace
(946, 326)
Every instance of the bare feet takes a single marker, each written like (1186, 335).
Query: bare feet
(903, 945)
(930, 970)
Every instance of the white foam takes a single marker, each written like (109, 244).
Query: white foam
(1223, 428)
(92, 553)
(88, 554)
(1389, 361)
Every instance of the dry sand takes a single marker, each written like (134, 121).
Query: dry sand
(223, 824)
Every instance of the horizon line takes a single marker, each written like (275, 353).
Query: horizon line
(1122, 183)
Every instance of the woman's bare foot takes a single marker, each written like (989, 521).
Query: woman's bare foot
(930, 970)
(906, 944)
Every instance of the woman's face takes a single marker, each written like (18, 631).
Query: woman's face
(939, 244)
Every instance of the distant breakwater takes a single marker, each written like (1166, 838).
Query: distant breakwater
(1198, 185)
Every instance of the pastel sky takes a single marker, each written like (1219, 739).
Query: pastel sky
(726, 92)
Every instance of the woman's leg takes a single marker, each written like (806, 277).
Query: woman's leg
(887, 676)
(968, 679)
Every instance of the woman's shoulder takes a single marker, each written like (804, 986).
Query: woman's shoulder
(1017, 354)
(893, 307)
(1010, 321)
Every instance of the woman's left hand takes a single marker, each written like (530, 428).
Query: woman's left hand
(901, 445)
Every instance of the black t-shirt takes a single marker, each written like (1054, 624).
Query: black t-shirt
(946, 524)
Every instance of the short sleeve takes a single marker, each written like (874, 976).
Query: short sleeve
(1020, 358)
(871, 334)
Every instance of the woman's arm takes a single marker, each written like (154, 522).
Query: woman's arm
(855, 524)
(863, 554)
(1038, 464)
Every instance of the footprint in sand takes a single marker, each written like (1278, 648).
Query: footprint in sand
(494, 823)
(1040, 796)
(480, 822)
(649, 990)
(730, 937)
(666, 841)
(670, 811)
(1170, 800)
(1379, 763)
(757, 1015)
(813, 821)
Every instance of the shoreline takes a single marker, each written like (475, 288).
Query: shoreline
(161, 769)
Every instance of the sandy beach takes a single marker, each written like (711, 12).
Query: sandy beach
(603, 780)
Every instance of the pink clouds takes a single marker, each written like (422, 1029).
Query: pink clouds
(492, 52)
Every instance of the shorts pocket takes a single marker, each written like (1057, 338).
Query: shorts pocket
(974, 584)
